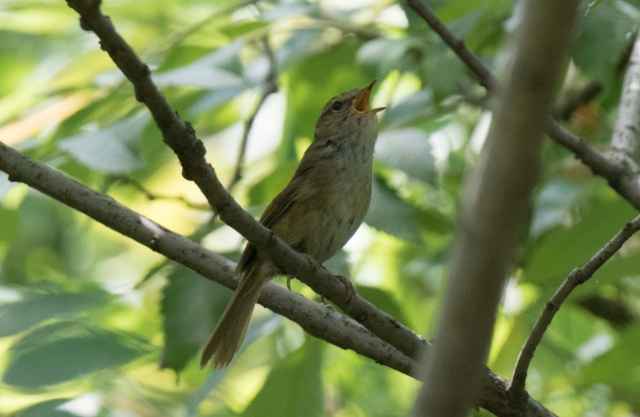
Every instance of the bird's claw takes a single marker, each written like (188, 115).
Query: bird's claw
(351, 291)
(315, 264)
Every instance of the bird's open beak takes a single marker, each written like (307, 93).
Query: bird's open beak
(361, 103)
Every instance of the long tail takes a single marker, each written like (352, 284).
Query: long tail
(229, 334)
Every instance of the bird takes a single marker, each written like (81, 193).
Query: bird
(316, 213)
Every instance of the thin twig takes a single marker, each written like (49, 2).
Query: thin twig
(573, 99)
(153, 196)
(269, 86)
(576, 277)
(624, 180)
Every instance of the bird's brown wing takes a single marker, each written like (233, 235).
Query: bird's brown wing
(278, 207)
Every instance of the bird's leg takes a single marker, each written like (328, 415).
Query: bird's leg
(289, 278)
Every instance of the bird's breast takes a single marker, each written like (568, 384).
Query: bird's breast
(333, 206)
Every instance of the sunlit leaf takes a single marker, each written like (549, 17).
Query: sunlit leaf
(384, 301)
(191, 306)
(270, 186)
(294, 386)
(5, 184)
(408, 150)
(20, 315)
(258, 328)
(65, 357)
(414, 107)
(47, 409)
(564, 250)
(220, 69)
(114, 150)
(400, 54)
(390, 214)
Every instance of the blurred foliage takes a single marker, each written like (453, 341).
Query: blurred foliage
(92, 324)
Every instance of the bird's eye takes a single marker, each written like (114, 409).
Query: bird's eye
(336, 106)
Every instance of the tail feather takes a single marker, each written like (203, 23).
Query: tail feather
(229, 333)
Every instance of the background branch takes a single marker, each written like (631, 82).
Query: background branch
(624, 153)
(623, 179)
(269, 86)
(576, 277)
(624, 142)
(495, 199)
(574, 98)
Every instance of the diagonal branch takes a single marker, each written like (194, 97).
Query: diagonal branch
(576, 277)
(311, 316)
(182, 139)
(624, 179)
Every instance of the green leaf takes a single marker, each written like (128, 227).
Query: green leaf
(220, 69)
(113, 150)
(408, 150)
(561, 251)
(338, 264)
(299, 45)
(445, 72)
(47, 409)
(399, 54)
(258, 328)
(416, 106)
(62, 357)
(9, 222)
(5, 184)
(200, 74)
(620, 366)
(602, 36)
(390, 214)
(384, 300)
(265, 190)
(191, 306)
(554, 206)
(34, 308)
(290, 8)
(435, 221)
(294, 386)
(215, 98)
(240, 28)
